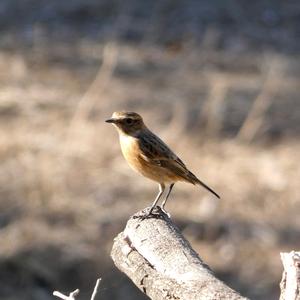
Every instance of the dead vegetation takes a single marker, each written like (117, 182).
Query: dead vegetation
(66, 190)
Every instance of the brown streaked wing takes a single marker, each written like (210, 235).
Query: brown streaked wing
(155, 150)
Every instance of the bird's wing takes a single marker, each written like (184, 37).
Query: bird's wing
(154, 150)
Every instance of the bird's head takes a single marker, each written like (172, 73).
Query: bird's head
(127, 122)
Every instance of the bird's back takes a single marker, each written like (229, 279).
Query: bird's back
(154, 148)
(158, 153)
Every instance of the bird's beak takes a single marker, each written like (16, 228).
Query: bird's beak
(111, 120)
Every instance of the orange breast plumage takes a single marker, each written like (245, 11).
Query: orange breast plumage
(136, 159)
(130, 149)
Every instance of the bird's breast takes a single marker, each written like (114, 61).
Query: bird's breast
(132, 153)
(130, 149)
(136, 159)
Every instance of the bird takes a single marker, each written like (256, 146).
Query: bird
(147, 154)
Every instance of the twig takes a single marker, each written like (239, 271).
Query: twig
(100, 83)
(109, 62)
(96, 289)
(72, 295)
(213, 109)
(255, 118)
(93, 93)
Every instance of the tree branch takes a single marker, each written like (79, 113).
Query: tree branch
(290, 283)
(160, 261)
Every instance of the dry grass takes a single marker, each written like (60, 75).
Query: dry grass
(66, 191)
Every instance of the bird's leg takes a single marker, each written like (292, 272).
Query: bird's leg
(166, 199)
(161, 190)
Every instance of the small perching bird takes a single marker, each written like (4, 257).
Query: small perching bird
(147, 154)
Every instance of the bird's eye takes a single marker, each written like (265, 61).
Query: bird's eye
(129, 121)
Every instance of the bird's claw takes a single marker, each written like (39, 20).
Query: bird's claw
(165, 212)
(155, 212)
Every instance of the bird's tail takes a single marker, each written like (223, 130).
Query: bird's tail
(193, 179)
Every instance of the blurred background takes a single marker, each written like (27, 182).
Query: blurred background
(217, 80)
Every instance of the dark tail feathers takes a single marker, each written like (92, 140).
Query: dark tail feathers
(195, 180)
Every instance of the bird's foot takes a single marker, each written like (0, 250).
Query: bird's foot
(165, 212)
(150, 212)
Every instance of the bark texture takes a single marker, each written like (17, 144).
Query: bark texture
(160, 261)
(290, 283)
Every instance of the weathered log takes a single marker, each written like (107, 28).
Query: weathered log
(290, 283)
(160, 261)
